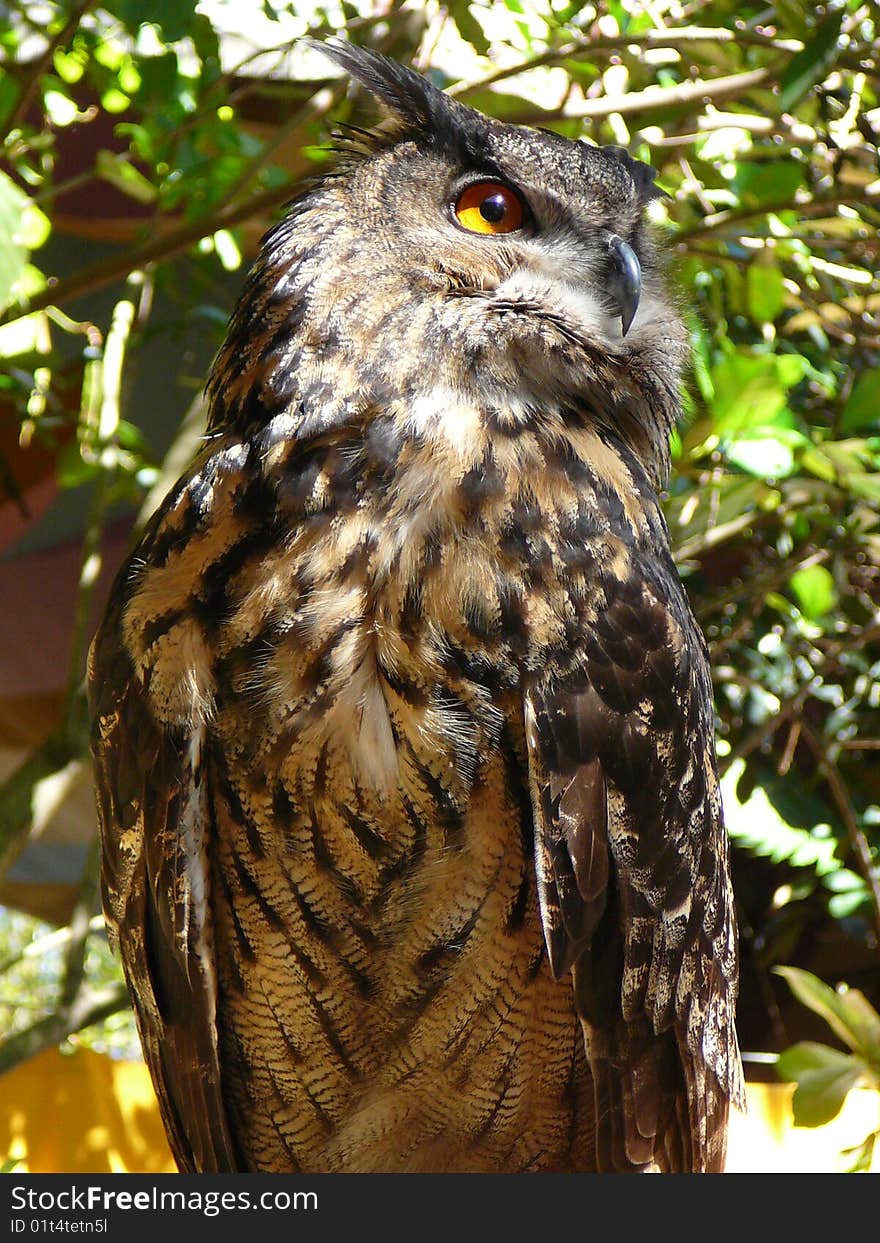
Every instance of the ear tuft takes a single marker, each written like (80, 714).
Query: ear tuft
(414, 102)
(642, 174)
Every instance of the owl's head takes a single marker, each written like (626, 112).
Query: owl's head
(448, 251)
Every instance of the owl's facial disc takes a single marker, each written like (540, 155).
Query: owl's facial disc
(493, 209)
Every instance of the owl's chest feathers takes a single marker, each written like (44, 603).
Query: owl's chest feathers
(382, 593)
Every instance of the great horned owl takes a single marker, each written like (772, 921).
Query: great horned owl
(403, 731)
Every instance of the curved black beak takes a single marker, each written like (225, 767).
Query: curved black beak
(624, 279)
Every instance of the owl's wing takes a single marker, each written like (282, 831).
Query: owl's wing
(633, 884)
(153, 797)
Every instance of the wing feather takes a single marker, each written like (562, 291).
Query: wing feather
(631, 857)
(155, 821)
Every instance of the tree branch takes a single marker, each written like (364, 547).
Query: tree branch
(710, 224)
(115, 267)
(92, 1005)
(654, 98)
(615, 44)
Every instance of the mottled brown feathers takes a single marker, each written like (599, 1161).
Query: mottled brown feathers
(412, 840)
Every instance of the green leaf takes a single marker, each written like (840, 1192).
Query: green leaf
(767, 452)
(861, 1156)
(13, 250)
(771, 182)
(758, 825)
(764, 457)
(174, 17)
(792, 14)
(863, 1021)
(227, 251)
(848, 1019)
(863, 404)
(815, 591)
(113, 100)
(158, 74)
(751, 390)
(824, 1077)
(765, 292)
(69, 65)
(468, 26)
(122, 174)
(61, 109)
(811, 65)
(865, 484)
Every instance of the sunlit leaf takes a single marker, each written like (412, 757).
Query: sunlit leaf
(61, 109)
(751, 390)
(113, 100)
(227, 250)
(68, 65)
(13, 249)
(761, 453)
(757, 825)
(865, 484)
(860, 1158)
(122, 174)
(824, 1078)
(815, 591)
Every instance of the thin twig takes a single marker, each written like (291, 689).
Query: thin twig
(859, 843)
(653, 98)
(80, 926)
(791, 707)
(711, 224)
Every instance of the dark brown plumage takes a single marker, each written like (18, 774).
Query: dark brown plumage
(403, 729)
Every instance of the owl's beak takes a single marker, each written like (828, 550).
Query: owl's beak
(624, 279)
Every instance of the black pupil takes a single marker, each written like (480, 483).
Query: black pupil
(493, 208)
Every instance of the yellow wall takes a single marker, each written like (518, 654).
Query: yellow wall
(86, 1114)
(82, 1114)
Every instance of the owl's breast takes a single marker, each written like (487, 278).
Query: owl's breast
(382, 586)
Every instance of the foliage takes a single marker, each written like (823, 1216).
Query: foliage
(825, 1075)
(762, 121)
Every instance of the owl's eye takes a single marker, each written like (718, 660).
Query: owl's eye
(489, 207)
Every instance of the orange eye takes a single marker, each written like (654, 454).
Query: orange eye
(489, 207)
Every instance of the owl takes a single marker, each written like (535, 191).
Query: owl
(402, 725)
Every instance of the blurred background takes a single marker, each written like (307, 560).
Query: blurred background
(146, 146)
